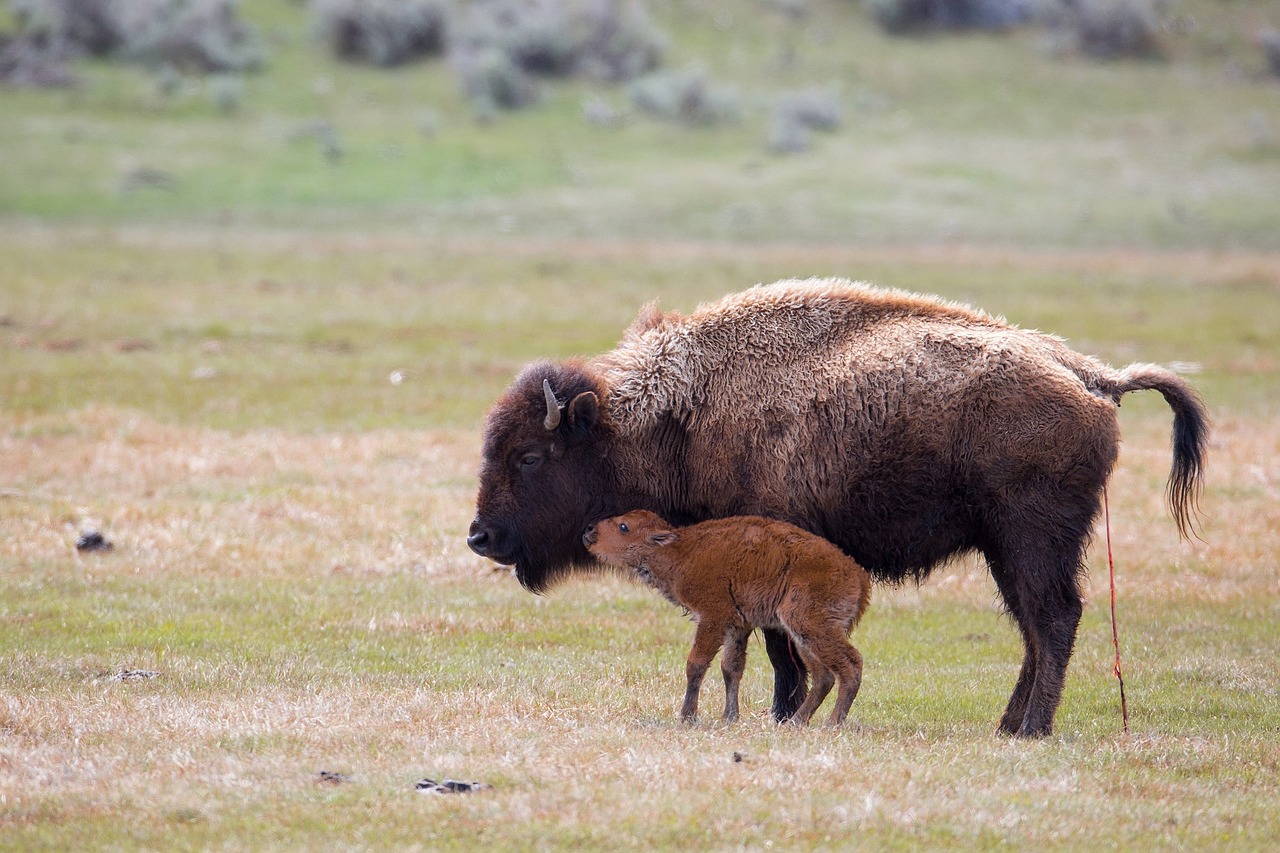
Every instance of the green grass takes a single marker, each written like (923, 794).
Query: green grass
(307, 334)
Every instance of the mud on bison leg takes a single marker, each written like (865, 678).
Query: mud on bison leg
(789, 689)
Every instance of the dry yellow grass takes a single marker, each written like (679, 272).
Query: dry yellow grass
(308, 604)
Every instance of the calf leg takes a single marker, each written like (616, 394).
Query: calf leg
(823, 680)
(707, 640)
(848, 667)
(733, 660)
(827, 650)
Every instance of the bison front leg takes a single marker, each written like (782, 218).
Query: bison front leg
(706, 642)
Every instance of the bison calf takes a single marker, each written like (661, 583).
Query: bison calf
(736, 574)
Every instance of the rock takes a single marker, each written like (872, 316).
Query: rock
(449, 786)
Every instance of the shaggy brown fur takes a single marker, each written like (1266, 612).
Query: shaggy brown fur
(904, 429)
(736, 574)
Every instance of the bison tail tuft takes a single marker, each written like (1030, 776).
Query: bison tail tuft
(1190, 437)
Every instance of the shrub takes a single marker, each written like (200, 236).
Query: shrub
(195, 35)
(685, 97)
(78, 26)
(1107, 29)
(499, 47)
(382, 32)
(907, 16)
(621, 41)
(796, 114)
(1269, 41)
(601, 113)
(492, 82)
(28, 62)
(204, 36)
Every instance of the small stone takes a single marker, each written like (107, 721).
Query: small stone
(92, 540)
(449, 786)
(135, 675)
(328, 777)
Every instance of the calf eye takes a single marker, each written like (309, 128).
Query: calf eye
(622, 528)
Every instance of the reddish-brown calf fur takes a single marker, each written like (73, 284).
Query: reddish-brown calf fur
(736, 574)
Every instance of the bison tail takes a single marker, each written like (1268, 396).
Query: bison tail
(1190, 437)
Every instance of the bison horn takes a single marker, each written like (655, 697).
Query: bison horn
(553, 406)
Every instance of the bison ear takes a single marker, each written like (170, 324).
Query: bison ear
(584, 414)
(664, 538)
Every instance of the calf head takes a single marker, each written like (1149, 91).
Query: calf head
(629, 539)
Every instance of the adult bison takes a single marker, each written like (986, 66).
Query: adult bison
(905, 429)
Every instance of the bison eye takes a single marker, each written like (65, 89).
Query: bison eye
(622, 528)
(530, 461)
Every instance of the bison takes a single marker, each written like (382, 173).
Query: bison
(905, 429)
(737, 574)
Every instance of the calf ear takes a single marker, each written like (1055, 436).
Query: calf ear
(584, 413)
(664, 538)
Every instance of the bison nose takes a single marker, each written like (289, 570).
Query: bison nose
(589, 536)
(478, 539)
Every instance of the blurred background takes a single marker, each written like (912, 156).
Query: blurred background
(1067, 123)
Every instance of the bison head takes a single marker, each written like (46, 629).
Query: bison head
(544, 476)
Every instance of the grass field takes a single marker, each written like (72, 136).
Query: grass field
(265, 386)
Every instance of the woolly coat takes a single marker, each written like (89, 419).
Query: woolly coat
(804, 392)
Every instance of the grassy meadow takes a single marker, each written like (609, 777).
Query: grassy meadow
(263, 379)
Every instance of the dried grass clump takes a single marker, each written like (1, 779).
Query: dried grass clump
(686, 97)
(382, 32)
(797, 114)
(204, 36)
(1104, 29)
(500, 47)
(911, 16)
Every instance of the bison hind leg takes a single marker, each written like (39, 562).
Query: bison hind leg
(789, 688)
(1037, 569)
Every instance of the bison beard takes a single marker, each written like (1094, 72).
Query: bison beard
(904, 429)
